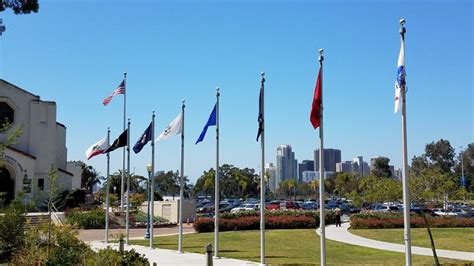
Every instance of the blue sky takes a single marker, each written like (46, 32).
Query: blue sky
(74, 53)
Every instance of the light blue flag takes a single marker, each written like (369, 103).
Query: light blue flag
(212, 121)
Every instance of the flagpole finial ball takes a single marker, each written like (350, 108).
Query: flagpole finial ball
(402, 21)
(262, 74)
(125, 74)
(321, 51)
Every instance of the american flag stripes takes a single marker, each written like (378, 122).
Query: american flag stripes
(120, 90)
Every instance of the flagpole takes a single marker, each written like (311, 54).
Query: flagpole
(152, 218)
(406, 200)
(181, 186)
(262, 175)
(322, 215)
(107, 203)
(127, 215)
(122, 183)
(217, 182)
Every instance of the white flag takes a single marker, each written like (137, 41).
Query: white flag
(397, 97)
(400, 83)
(97, 148)
(174, 128)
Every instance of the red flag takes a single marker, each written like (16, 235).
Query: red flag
(316, 111)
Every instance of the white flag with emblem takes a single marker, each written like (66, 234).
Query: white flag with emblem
(97, 148)
(174, 128)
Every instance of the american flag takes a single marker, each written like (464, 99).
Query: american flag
(119, 90)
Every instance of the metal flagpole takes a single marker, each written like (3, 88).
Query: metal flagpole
(217, 183)
(122, 183)
(406, 200)
(262, 176)
(107, 203)
(127, 215)
(152, 211)
(181, 185)
(322, 216)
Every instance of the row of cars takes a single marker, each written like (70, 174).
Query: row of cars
(206, 206)
(450, 210)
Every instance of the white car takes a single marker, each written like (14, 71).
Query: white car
(246, 207)
(443, 212)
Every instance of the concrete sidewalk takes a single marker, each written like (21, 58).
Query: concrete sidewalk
(170, 257)
(341, 234)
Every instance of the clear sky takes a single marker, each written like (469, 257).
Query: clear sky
(74, 53)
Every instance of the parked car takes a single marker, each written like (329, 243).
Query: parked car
(385, 208)
(273, 205)
(246, 207)
(443, 212)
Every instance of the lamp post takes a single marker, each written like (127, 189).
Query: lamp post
(149, 170)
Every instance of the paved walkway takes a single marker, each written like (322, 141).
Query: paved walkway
(139, 233)
(341, 234)
(172, 258)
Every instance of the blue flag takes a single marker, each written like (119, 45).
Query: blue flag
(143, 140)
(212, 121)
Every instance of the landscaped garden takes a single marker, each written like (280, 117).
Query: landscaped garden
(287, 247)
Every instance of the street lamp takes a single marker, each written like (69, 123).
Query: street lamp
(149, 224)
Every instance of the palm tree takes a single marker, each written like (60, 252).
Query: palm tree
(89, 177)
(314, 184)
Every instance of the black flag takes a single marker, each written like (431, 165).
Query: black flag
(121, 141)
(260, 110)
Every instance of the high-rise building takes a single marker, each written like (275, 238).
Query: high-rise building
(308, 176)
(271, 171)
(357, 166)
(306, 165)
(331, 158)
(286, 164)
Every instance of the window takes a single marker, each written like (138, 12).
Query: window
(6, 113)
(41, 184)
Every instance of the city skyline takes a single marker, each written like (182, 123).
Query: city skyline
(175, 51)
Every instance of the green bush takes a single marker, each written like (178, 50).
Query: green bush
(12, 227)
(62, 243)
(94, 219)
(395, 220)
(110, 256)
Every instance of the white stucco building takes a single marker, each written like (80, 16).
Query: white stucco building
(40, 148)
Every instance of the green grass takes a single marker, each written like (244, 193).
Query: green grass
(287, 247)
(460, 239)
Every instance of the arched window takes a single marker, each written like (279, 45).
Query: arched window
(6, 113)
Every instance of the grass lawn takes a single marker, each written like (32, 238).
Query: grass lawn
(287, 246)
(461, 239)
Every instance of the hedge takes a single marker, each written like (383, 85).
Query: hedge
(415, 221)
(253, 223)
(330, 216)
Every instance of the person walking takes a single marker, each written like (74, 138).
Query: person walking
(338, 217)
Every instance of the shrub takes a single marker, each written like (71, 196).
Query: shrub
(330, 216)
(12, 226)
(415, 221)
(94, 219)
(253, 223)
(110, 256)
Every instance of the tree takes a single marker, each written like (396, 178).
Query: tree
(346, 183)
(89, 177)
(314, 184)
(11, 137)
(467, 155)
(381, 167)
(20, 6)
(168, 183)
(440, 154)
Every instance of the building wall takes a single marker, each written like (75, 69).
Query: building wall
(270, 168)
(306, 165)
(42, 144)
(331, 158)
(286, 164)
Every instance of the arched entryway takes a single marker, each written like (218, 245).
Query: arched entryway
(7, 186)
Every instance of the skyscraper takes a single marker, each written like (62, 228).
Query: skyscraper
(286, 164)
(306, 165)
(331, 157)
